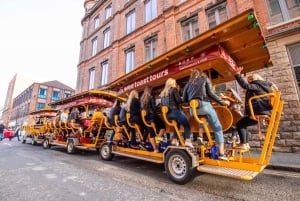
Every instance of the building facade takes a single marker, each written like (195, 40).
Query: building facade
(37, 96)
(119, 36)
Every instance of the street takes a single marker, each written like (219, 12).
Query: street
(31, 173)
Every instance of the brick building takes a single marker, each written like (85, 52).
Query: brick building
(37, 96)
(119, 36)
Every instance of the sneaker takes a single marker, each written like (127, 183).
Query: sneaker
(200, 140)
(223, 157)
(160, 139)
(188, 144)
(142, 147)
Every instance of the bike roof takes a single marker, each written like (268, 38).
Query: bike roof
(218, 52)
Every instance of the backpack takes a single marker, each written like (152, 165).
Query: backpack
(165, 101)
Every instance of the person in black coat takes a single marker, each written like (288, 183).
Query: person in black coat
(148, 103)
(255, 85)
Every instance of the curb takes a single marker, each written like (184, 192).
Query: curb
(290, 168)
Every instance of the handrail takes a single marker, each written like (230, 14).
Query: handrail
(253, 116)
(194, 104)
(135, 126)
(150, 125)
(171, 123)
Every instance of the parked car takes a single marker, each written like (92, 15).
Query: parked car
(8, 133)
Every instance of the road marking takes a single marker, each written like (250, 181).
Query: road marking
(282, 173)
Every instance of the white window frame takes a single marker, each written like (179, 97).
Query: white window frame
(106, 38)
(150, 48)
(94, 45)
(150, 10)
(284, 11)
(129, 60)
(97, 22)
(293, 52)
(108, 11)
(191, 31)
(130, 22)
(104, 74)
(216, 11)
(92, 72)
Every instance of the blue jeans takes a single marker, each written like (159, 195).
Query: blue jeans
(180, 118)
(212, 118)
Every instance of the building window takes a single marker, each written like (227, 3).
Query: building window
(108, 11)
(150, 48)
(92, 78)
(130, 22)
(55, 95)
(40, 106)
(283, 10)
(150, 10)
(129, 60)
(66, 95)
(94, 46)
(217, 14)
(293, 51)
(43, 93)
(104, 73)
(190, 28)
(106, 34)
(97, 21)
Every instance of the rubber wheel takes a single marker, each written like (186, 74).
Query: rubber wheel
(178, 166)
(46, 144)
(33, 142)
(106, 151)
(71, 147)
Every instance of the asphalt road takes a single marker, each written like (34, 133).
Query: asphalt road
(30, 173)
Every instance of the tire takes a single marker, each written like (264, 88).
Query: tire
(106, 151)
(46, 144)
(178, 166)
(33, 142)
(71, 147)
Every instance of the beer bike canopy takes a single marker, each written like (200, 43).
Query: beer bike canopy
(218, 52)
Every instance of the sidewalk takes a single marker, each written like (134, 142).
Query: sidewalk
(282, 161)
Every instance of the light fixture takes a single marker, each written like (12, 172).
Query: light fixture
(187, 49)
(250, 17)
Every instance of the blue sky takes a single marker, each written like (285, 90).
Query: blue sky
(40, 39)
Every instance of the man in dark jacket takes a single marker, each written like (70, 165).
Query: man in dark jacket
(255, 86)
(2, 127)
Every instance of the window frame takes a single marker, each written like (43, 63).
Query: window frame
(108, 10)
(92, 72)
(104, 73)
(96, 22)
(106, 38)
(129, 60)
(191, 29)
(130, 22)
(283, 11)
(293, 57)
(217, 16)
(44, 95)
(152, 53)
(150, 12)
(94, 45)
(58, 95)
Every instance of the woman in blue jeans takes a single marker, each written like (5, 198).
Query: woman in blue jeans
(199, 87)
(175, 113)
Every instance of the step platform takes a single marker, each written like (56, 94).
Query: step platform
(228, 172)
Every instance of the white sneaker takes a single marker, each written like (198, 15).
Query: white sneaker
(188, 144)
(223, 157)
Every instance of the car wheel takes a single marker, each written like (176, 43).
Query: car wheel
(71, 147)
(106, 151)
(178, 166)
